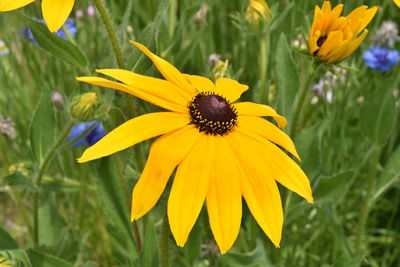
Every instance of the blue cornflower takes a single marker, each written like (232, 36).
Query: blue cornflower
(69, 24)
(382, 58)
(92, 137)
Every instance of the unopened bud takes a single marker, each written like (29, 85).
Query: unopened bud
(57, 99)
(257, 10)
(84, 107)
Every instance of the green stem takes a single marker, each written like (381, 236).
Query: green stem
(301, 98)
(263, 70)
(124, 186)
(367, 202)
(38, 180)
(68, 34)
(172, 18)
(111, 32)
(164, 241)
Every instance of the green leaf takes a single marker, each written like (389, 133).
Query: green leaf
(41, 259)
(42, 128)
(6, 241)
(150, 245)
(378, 114)
(17, 179)
(51, 222)
(110, 194)
(19, 256)
(254, 258)
(193, 246)
(56, 45)
(390, 174)
(288, 77)
(331, 189)
(307, 144)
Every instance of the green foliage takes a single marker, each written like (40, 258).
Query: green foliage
(56, 45)
(349, 145)
(6, 241)
(42, 130)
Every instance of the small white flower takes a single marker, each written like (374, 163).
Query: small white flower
(3, 48)
(387, 34)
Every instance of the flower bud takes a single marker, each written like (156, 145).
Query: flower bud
(256, 10)
(84, 107)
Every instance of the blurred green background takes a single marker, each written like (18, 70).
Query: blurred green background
(349, 146)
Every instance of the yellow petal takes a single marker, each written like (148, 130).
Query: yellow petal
(145, 92)
(201, 84)
(56, 12)
(334, 40)
(224, 198)
(259, 188)
(368, 16)
(189, 188)
(165, 154)
(135, 131)
(8, 5)
(352, 46)
(281, 166)
(269, 131)
(253, 109)
(230, 89)
(397, 2)
(169, 72)
(157, 88)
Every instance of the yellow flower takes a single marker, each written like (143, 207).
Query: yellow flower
(333, 37)
(257, 9)
(397, 2)
(55, 12)
(222, 150)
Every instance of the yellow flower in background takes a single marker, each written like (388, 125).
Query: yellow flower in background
(332, 37)
(397, 2)
(55, 12)
(256, 10)
(222, 150)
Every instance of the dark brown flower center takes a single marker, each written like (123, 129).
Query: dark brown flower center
(321, 40)
(212, 113)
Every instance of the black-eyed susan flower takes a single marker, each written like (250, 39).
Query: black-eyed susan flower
(222, 150)
(333, 37)
(55, 12)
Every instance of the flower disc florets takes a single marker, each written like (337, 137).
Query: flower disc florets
(212, 113)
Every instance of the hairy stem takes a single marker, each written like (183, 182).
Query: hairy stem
(100, 4)
(39, 176)
(301, 98)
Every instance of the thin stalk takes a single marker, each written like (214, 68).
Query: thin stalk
(39, 176)
(124, 186)
(172, 17)
(68, 34)
(263, 93)
(301, 98)
(367, 202)
(164, 241)
(100, 5)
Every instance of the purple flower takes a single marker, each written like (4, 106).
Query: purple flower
(92, 137)
(90, 11)
(69, 24)
(382, 58)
